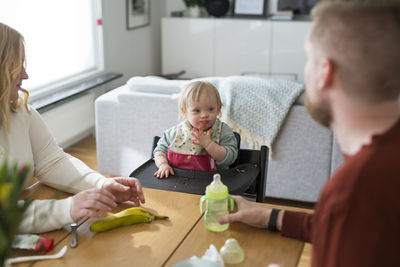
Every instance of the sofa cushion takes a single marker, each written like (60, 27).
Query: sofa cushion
(155, 84)
(300, 101)
(301, 163)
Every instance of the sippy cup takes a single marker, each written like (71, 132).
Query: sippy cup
(217, 197)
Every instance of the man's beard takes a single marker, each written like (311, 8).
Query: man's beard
(320, 112)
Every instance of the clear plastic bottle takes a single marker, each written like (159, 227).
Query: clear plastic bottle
(216, 197)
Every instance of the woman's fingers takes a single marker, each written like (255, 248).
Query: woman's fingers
(97, 205)
(139, 191)
(107, 194)
(100, 200)
(92, 199)
(91, 213)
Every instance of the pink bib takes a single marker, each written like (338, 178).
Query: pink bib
(184, 154)
(192, 162)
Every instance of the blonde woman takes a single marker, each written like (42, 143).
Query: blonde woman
(201, 141)
(24, 137)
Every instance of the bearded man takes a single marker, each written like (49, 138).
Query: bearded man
(352, 78)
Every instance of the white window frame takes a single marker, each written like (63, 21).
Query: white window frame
(66, 82)
(76, 79)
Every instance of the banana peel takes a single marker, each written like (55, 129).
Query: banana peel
(126, 217)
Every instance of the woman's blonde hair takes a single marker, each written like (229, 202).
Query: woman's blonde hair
(11, 63)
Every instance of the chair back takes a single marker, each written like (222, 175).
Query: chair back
(260, 158)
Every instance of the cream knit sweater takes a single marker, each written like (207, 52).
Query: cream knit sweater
(29, 140)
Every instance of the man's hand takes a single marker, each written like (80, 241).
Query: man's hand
(91, 203)
(247, 213)
(125, 189)
(201, 138)
(164, 170)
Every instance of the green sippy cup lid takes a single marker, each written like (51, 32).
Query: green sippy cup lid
(217, 190)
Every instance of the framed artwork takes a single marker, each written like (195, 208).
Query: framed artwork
(137, 13)
(249, 8)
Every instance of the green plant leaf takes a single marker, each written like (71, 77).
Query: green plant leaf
(193, 3)
(12, 179)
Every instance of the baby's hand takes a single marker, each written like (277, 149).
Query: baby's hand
(202, 138)
(163, 171)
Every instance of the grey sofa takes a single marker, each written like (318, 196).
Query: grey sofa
(305, 153)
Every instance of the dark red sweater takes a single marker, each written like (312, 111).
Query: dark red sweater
(357, 218)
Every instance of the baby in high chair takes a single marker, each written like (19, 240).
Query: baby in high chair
(201, 141)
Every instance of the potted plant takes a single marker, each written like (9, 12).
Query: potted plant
(12, 179)
(194, 7)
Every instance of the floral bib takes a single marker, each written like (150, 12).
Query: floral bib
(183, 153)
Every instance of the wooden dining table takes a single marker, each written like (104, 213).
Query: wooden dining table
(162, 242)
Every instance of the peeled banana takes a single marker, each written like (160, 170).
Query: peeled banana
(126, 217)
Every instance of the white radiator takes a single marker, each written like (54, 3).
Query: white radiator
(71, 121)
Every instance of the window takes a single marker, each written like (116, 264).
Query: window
(62, 38)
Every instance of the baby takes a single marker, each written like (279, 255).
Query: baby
(201, 141)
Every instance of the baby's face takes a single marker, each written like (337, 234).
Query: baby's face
(203, 113)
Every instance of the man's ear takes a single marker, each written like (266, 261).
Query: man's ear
(326, 73)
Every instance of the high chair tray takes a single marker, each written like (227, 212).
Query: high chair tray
(237, 179)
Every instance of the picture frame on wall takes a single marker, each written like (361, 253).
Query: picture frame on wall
(249, 8)
(137, 14)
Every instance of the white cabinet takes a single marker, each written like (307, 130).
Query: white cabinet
(242, 46)
(288, 55)
(188, 44)
(228, 46)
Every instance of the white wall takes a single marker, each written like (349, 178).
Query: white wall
(130, 52)
(71, 121)
(174, 5)
(133, 52)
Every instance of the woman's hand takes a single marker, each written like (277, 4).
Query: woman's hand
(91, 203)
(164, 170)
(125, 189)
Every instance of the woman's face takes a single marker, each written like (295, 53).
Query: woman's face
(16, 85)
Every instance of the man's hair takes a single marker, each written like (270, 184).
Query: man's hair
(362, 38)
(191, 93)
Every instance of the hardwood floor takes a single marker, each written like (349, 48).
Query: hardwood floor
(85, 150)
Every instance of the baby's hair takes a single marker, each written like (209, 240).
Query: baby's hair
(191, 92)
